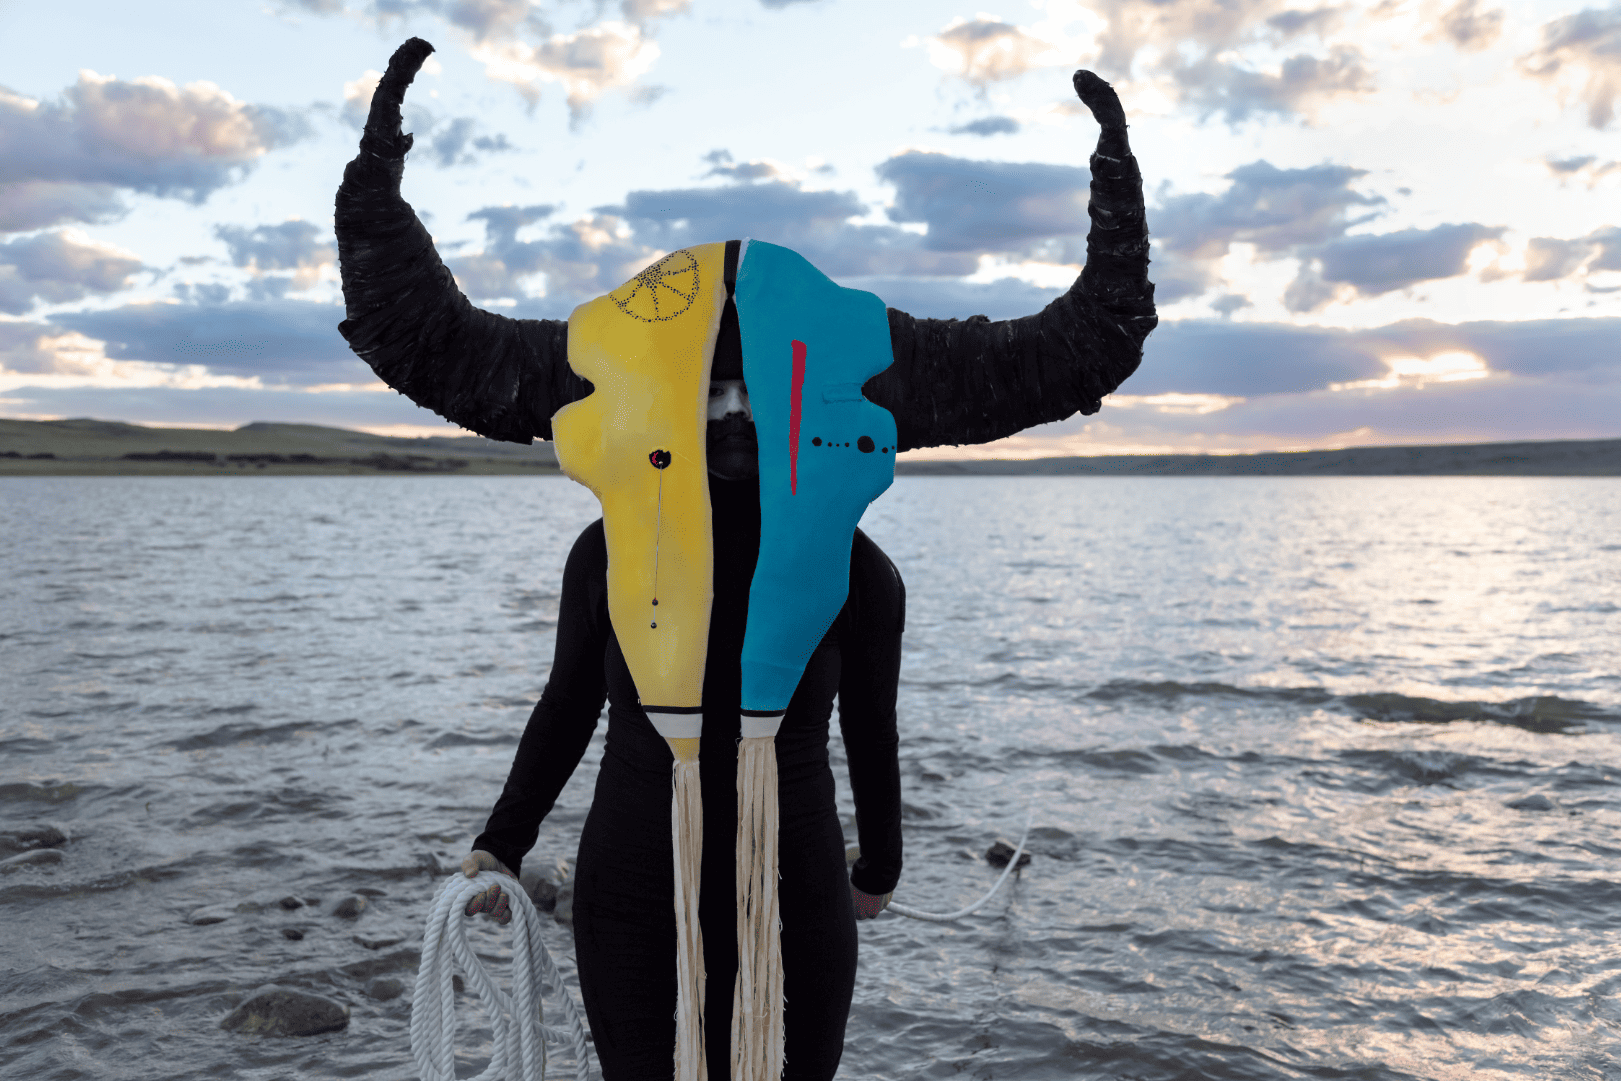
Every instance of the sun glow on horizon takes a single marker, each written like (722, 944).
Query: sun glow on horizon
(1407, 371)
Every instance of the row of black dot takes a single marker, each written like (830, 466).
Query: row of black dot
(865, 444)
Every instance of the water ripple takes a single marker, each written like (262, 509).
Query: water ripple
(1325, 772)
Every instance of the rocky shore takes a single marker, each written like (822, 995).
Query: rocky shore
(386, 951)
(375, 941)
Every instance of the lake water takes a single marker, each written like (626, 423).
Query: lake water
(1326, 772)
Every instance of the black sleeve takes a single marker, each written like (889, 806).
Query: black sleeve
(560, 727)
(870, 644)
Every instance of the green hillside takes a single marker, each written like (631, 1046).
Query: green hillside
(90, 447)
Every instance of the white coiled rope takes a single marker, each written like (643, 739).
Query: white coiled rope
(520, 1049)
(520, 1035)
(947, 917)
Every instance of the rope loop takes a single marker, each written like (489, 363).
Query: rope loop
(521, 1035)
(947, 917)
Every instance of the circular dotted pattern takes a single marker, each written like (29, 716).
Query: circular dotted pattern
(662, 291)
(864, 444)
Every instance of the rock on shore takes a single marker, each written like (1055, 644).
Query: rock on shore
(350, 907)
(377, 942)
(551, 888)
(210, 914)
(30, 838)
(999, 853)
(283, 1011)
(385, 989)
(39, 857)
(541, 889)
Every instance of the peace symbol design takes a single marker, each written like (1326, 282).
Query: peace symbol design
(662, 291)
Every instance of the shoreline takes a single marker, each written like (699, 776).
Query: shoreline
(84, 447)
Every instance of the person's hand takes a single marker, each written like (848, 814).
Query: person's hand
(492, 901)
(868, 905)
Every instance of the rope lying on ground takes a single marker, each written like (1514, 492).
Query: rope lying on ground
(947, 917)
(520, 1035)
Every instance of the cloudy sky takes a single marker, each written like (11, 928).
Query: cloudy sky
(1375, 221)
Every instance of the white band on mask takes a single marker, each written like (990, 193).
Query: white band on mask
(757, 727)
(676, 725)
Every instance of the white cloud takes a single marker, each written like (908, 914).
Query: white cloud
(58, 268)
(494, 19)
(1470, 25)
(39, 204)
(63, 160)
(1298, 85)
(586, 64)
(295, 246)
(1582, 54)
(282, 341)
(518, 43)
(640, 12)
(986, 50)
(991, 206)
(357, 94)
(1586, 168)
(1370, 264)
(1221, 58)
(70, 361)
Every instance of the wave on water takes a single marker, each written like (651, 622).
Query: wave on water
(458, 739)
(49, 792)
(246, 747)
(229, 735)
(1544, 713)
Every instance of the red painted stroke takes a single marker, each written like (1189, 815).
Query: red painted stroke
(795, 393)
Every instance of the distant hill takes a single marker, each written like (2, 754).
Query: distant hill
(1550, 458)
(83, 446)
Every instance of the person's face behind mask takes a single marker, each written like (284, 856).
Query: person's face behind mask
(734, 450)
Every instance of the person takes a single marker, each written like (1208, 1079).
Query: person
(624, 928)
(944, 382)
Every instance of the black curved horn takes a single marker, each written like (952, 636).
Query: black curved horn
(494, 375)
(972, 381)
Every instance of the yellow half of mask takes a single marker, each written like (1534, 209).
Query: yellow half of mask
(637, 441)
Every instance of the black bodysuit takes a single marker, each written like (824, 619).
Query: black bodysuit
(624, 921)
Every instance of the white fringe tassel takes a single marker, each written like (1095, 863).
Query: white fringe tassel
(757, 999)
(687, 839)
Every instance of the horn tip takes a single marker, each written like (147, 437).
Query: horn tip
(1099, 97)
